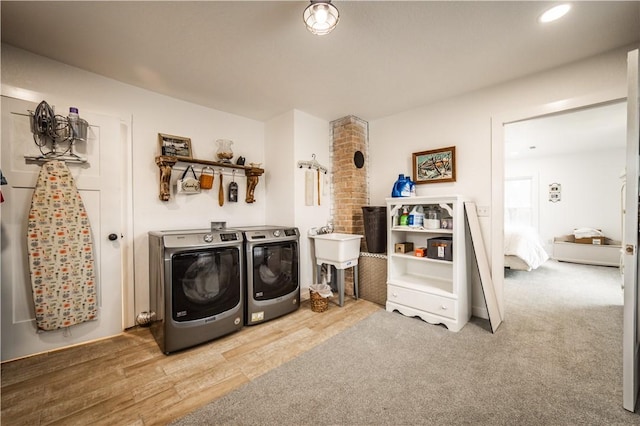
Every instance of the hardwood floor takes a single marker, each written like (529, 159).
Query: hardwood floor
(127, 380)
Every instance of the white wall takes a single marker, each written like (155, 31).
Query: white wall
(590, 195)
(291, 137)
(280, 153)
(466, 122)
(312, 137)
(23, 72)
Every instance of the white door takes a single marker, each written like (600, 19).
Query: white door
(631, 327)
(99, 183)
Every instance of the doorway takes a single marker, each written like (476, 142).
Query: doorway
(564, 172)
(498, 155)
(498, 168)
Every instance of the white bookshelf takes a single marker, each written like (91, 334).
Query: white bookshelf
(435, 290)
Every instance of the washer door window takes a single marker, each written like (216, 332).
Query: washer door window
(275, 270)
(205, 283)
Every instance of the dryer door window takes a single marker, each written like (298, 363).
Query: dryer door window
(205, 283)
(275, 270)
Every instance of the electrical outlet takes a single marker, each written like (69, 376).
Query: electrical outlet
(483, 211)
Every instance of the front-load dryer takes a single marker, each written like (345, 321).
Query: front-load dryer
(196, 286)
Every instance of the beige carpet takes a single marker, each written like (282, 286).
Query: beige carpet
(556, 359)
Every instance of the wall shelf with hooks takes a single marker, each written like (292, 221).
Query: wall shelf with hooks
(166, 163)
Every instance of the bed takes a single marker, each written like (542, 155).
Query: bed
(522, 248)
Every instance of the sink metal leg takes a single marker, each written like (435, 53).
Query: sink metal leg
(340, 286)
(340, 282)
(355, 282)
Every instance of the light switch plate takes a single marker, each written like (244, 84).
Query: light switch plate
(483, 211)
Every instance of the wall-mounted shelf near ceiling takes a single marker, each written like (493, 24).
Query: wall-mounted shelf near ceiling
(165, 164)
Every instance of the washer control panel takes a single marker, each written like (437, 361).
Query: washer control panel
(267, 233)
(198, 238)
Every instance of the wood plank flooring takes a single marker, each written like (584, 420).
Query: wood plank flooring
(127, 380)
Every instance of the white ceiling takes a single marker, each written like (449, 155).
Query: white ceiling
(597, 128)
(257, 60)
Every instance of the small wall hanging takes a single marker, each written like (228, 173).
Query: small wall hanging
(233, 188)
(206, 177)
(555, 190)
(188, 184)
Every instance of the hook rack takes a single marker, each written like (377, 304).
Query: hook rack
(216, 170)
(313, 164)
(41, 159)
(166, 163)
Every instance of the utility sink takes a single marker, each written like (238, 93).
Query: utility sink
(340, 250)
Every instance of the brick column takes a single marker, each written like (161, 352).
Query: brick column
(350, 185)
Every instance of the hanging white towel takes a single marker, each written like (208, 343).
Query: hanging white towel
(309, 179)
(61, 254)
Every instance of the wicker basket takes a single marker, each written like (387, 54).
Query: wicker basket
(372, 277)
(318, 303)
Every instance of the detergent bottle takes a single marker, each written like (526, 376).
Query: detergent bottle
(404, 218)
(408, 188)
(416, 217)
(397, 186)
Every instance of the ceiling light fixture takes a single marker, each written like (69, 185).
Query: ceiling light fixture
(320, 17)
(555, 13)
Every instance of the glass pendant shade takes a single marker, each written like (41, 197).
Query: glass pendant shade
(320, 17)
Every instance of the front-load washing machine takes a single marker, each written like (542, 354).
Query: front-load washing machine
(272, 258)
(196, 286)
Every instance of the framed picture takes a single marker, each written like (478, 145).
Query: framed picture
(175, 146)
(438, 165)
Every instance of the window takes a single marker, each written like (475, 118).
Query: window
(520, 201)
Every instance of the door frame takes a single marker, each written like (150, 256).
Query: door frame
(498, 121)
(630, 241)
(126, 176)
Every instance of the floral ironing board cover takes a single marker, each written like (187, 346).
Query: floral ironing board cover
(61, 255)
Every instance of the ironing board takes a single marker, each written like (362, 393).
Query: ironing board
(60, 248)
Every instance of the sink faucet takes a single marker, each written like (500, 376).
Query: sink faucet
(327, 229)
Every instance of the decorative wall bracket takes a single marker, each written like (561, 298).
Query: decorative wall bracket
(165, 164)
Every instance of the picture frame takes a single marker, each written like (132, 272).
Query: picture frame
(175, 146)
(435, 166)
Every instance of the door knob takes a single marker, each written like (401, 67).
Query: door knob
(112, 237)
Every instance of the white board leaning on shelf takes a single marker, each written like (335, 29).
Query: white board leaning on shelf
(483, 266)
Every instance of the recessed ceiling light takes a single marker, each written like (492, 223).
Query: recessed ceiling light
(555, 13)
